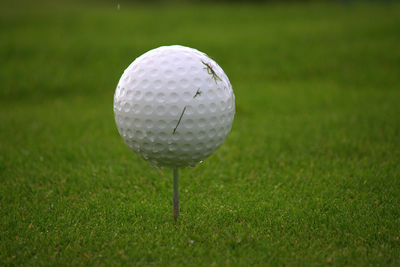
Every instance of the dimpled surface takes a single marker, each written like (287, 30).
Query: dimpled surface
(174, 106)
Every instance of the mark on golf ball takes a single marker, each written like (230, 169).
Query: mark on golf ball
(179, 120)
(198, 93)
(211, 71)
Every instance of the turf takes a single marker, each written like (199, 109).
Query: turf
(309, 175)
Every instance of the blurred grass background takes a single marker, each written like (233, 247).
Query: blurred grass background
(308, 176)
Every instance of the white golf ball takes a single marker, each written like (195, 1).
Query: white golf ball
(174, 106)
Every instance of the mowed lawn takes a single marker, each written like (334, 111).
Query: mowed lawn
(309, 174)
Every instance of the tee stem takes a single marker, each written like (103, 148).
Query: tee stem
(175, 196)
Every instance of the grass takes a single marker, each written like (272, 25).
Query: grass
(309, 175)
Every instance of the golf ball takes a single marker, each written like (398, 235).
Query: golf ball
(174, 106)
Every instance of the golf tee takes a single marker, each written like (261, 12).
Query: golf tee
(175, 197)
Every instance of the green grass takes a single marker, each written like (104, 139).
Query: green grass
(309, 175)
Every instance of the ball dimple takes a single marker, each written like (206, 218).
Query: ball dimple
(212, 132)
(139, 134)
(188, 136)
(146, 146)
(136, 108)
(168, 73)
(181, 71)
(154, 72)
(137, 95)
(144, 154)
(177, 59)
(201, 109)
(197, 82)
(184, 83)
(147, 110)
(201, 135)
(148, 123)
(202, 122)
(126, 121)
(172, 147)
(127, 107)
(144, 84)
(211, 94)
(222, 105)
(137, 123)
(188, 123)
(134, 83)
(129, 94)
(220, 92)
(222, 119)
(160, 97)
(186, 147)
(148, 96)
(161, 124)
(158, 147)
(220, 131)
(199, 146)
(157, 84)
(117, 106)
(174, 97)
(134, 144)
(150, 135)
(213, 107)
(174, 110)
(213, 121)
(163, 136)
(121, 92)
(160, 110)
(187, 96)
(209, 145)
(189, 110)
(140, 72)
(230, 103)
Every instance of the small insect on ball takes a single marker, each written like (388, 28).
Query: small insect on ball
(174, 106)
